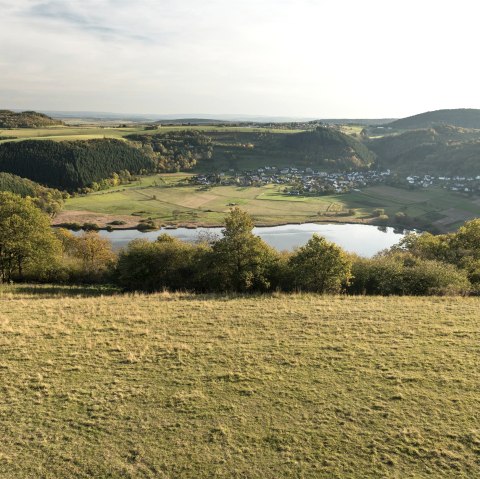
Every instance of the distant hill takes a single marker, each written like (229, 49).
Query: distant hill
(357, 121)
(462, 117)
(69, 165)
(26, 119)
(443, 150)
(190, 121)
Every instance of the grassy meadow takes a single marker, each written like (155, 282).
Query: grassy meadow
(181, 386)
(169, 198)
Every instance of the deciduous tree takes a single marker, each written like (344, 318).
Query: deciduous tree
(26, 238)
(320, 266)
(241, 261)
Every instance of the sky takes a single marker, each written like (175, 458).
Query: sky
(296, 58)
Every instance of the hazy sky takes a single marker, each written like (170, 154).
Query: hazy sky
(310, 58)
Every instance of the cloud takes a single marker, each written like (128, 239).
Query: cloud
(89, 17)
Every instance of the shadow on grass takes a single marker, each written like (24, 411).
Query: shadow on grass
(55, 291)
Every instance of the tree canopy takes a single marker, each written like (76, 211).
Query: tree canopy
(321, 266)
(242, 261)
(25, 236)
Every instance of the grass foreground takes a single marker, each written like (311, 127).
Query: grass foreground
(183, 386)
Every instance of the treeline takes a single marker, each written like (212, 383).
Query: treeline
(239, 261)
(26, 119)
(48, 200)
(176, 150)
(70, 165)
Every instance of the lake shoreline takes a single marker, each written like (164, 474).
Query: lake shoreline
(189, 225)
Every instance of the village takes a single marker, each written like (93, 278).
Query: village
(296, 180)
(462, 184)
(310, 182)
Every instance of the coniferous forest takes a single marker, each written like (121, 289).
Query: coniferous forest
(70, 165)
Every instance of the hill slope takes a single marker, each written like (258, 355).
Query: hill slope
(71, 164)
(443, 150)
(255, 387)
(26, 119)
(48, 199)
(323, 148)
(327, 146)
(462, 117)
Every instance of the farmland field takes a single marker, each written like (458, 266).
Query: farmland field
(62, 133)
(169, 198)
(183, 386)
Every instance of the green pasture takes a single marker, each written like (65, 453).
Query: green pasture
(170, 198)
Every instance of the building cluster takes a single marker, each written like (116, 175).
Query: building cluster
(308, 181)
(296, 180)
(464, 184)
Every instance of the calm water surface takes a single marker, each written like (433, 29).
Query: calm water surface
(365, 240)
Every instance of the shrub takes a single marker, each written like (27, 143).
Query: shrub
(404, 274)
(378, 212)
(90, 227)
(167, 263)
(147, 225)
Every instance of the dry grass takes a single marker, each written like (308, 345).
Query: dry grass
(180, 386)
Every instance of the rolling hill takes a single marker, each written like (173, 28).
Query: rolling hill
(26, 119)
(461, 117)
(442, 150)
(324, 148)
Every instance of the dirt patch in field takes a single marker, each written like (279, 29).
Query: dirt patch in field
(100, 219)
(195, 201)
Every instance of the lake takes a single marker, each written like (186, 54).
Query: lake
(365, 240)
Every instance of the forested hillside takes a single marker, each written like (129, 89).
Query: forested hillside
(71, 164)
(327, 147)
(175, 151)
(48, 199)
(462, 117)
(26, 119)
(443, 150)
(324, 148)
